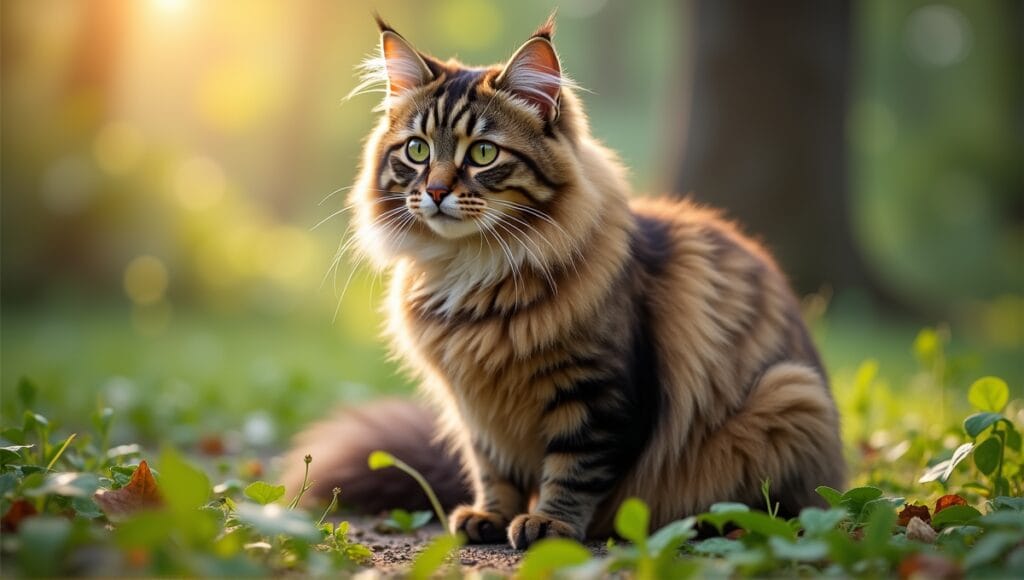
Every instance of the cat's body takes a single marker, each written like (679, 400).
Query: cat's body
(581, 348)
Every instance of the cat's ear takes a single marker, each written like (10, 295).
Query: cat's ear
(405, 68)
(534, 73)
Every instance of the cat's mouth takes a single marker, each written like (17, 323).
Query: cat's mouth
(449, 226)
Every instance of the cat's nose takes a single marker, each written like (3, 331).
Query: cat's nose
(438, 191)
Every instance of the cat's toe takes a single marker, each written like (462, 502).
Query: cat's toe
(479, 527)
(528, 528)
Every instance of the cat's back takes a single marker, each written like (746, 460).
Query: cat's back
(721, 311)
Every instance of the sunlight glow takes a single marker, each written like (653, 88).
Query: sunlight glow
(170, 6)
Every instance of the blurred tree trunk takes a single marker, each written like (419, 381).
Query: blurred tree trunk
(765, 134)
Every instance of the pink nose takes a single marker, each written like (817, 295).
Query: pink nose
(437, 192)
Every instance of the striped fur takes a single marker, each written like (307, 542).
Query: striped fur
(580, 348)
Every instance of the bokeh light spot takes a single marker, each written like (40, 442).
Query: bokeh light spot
(145, 280)
(199, 183)
(938, 35)
(118, 147)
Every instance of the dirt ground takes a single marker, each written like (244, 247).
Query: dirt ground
(393, 553)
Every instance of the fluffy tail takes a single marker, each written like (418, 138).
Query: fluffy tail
(341, 445)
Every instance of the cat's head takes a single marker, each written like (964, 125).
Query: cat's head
(472, 157)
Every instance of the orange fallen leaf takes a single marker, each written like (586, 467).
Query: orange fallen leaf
(140, 493)
(948, 501)
(929, 566)
(736, 534)
(212, 445)
(914, 511)
(20, 510)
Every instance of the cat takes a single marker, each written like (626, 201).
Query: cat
(579, 347)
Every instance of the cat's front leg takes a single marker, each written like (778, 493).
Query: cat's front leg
(497, 501)
(576, 479)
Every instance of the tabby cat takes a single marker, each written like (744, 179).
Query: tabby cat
(581, 348)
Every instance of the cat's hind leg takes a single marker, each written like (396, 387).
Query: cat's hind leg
(788, 431)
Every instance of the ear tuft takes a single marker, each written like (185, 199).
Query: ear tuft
(381, 23)
(546, 30)
(405, 67)
(535, 75)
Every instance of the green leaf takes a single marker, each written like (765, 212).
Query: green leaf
(633, 520)
(85, 507)
(14, 435)
(754, 522)
(263, 493)
(420, 519)
(399, 519)
(12, 453)
(718, 546)
(1002, 519)
(380, 460)
(957, 514)
(68, 485)
(816, 521)
(33, 420)
(8, 482)
(551, 554)
(989, 394)
(986, 455)
(672, 535)
(1013, 439)
(433, 556)
(990, 547)
(145, 529)
(1006, 503)
(273, 520)
(855, 499)
(800, 551)
(878, 531)
(978, 422)
(833, 496)
(43, 541)
(959, 455)
(728, 506)
(184, 487)
(27, 392)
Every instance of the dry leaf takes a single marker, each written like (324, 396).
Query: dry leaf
(140, 493)
(948, 501)
(20, 510)
(914, 511)
(736, 534)
(919, 530)
(930, 566)
(212, 445)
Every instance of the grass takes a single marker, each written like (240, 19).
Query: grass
(87, 401)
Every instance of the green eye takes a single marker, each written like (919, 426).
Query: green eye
(417, 150)
(483, 153)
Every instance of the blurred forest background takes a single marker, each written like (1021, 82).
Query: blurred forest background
(173, 172)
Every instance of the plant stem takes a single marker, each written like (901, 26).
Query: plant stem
(61, 451)
(997, 488)
(426, 488)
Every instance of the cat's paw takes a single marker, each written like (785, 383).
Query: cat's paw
(528, 528)
(480, 527)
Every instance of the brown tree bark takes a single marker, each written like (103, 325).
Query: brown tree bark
(765, 138)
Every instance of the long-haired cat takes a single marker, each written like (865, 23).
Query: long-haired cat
(580, 348)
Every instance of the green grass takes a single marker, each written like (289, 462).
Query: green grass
(81, 385)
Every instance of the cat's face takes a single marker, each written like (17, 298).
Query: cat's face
(464, 155)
